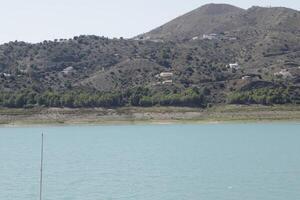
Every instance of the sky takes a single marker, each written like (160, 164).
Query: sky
(38, 20)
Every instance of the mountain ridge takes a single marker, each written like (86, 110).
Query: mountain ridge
(212, 18)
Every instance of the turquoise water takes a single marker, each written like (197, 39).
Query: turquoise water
(153, 162)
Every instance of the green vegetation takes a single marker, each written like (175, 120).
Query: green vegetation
(84, 99)
(55, 99)
(88, 71)
(265, 96)
(190, 97)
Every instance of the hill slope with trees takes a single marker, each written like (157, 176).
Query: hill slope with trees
(173, 65)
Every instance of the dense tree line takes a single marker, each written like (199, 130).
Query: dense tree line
(55, 99)
(190, 97)
(143, 97)
(265, 96)
(83, 99)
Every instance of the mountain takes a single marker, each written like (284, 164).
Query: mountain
(206, 19)
(219, 18)
(247, 56)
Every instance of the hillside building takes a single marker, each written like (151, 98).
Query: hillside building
(234, 66)
(68, 70)
(246, 77)
(251, 77)
(284, 73)
(166, 74)
(167, 82)
(211, 36)
(6, 75)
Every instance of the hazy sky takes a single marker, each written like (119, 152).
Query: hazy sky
(38, 20)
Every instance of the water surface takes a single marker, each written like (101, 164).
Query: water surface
(153, 162)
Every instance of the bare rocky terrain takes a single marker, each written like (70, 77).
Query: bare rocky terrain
(156, 115)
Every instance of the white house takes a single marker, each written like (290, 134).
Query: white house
(68, 70)
(231, 38)
(6, 75)
(211, 36)
(284, 73)
(234, 66)
(24, 71)
(166, 74)
(167, 82)
(246, 77)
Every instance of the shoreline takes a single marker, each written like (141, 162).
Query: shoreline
(139, 123)
(221, 114)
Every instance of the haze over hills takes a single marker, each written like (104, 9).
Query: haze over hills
(217, 53)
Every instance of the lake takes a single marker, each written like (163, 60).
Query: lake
(153, 162)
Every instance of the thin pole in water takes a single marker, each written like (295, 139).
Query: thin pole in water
(41, 175)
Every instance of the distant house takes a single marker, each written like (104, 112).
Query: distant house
(211, 36)
(251, 77)
(231, 38)
(143, 38)
(24, 71)
(6, 75)
(246, 77)
(166, 74)
(284, 73)
(68, 70)
(167, 82)
(234, 66)
(195, 38)
(215, 36)
(164, 78)
(157, 40)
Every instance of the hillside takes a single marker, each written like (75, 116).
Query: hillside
(172, 65)
(221, 18)
(204, 20)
